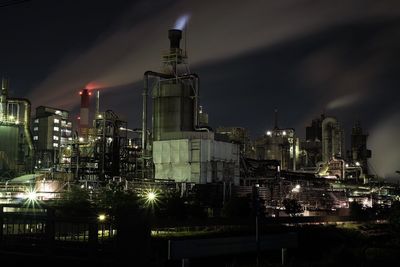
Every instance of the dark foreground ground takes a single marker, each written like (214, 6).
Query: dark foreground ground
(348, 244)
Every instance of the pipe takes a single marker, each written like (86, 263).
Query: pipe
(196, 97)
(328, 151)
(146, 76)
(27, 118)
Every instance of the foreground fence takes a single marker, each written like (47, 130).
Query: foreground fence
(42, 226)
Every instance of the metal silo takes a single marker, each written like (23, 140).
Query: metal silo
(173, 107)
(175, 94)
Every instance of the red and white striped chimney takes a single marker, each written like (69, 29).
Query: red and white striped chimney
(84, 113)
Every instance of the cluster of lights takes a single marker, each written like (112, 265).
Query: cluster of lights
(12, 119)
(269, 133)
(358, 164)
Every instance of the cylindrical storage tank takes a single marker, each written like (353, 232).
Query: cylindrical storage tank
(329, 139)
(173, 108)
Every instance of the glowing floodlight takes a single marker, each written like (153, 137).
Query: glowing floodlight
(31, 196)
(102, 217)
(151, 197)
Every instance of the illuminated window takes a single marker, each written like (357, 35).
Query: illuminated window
(58, 112)
(36, 137)
(56, 128)
(37, 121)
(56, 121)
(35, 128)
(55, 137)
(55, 144)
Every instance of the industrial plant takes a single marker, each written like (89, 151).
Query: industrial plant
(175, 147)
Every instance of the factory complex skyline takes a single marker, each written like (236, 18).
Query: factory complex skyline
(221, 133)
(339, 59)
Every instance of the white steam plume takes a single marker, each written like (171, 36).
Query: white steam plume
(385, 146)
(343, 101)
(181, 22)
(220, 30)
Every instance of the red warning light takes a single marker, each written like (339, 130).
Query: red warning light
(80, 93)
(78, 118)
(90, 93)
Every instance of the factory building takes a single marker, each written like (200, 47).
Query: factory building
(100, 150)
(182, 149)
(359, 152)
(324, 141)
(16, 147)
(52, 132)
(278, 144)
(240, 136)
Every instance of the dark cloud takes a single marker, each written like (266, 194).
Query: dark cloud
(300, 56)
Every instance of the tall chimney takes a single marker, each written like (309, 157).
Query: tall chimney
(3, 99)
(97, 102)
(276, 119)
(84, 113)
(175, 37)
(4, 87)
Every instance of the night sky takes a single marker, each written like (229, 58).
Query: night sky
(302, 57)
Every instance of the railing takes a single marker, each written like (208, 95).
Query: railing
(41, 226)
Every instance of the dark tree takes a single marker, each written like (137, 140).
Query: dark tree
(237, 207)
(196, 211)
(292, 207)
(356, 210)
(394, 215)
(175, 207)
(75, 203)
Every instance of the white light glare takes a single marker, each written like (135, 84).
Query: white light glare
(151, 196)
(32, 195)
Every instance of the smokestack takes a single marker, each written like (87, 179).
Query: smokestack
(276, 119)
(4, 87)
(97, 103)
(175, 37)
(84, 113)
(3, 99)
